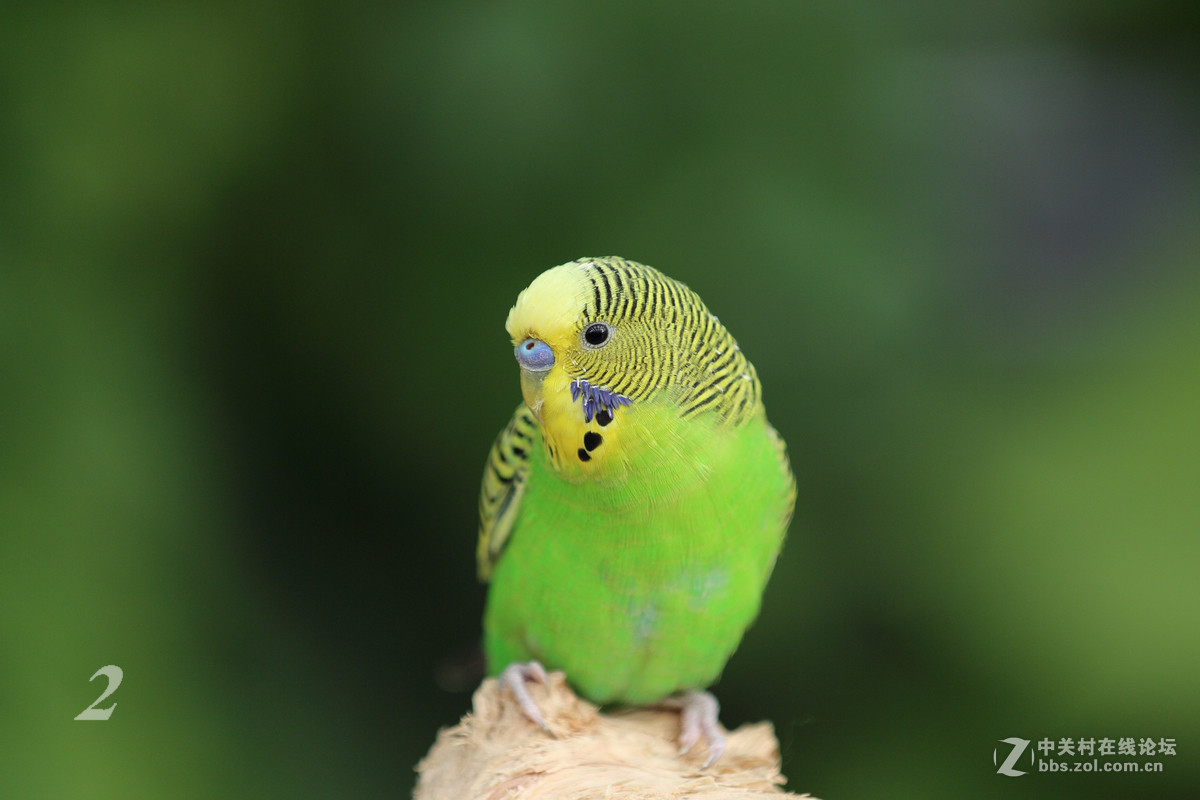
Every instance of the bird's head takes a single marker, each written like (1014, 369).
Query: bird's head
(598, 338)
(584, 328)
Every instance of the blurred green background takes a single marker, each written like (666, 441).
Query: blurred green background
(255, 260)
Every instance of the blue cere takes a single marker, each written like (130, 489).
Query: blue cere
(596, 399)
(534, 355)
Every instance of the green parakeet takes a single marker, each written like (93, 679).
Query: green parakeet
(632, 510)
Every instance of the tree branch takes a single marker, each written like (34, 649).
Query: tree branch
(496, 753)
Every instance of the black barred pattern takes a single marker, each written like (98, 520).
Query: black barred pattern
(664, 339)
(503, 483)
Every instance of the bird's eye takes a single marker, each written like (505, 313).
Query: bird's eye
(597, 334)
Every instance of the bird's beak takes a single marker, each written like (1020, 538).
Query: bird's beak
(535, 358)
(531, 390)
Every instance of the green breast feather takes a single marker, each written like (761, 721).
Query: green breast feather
(632, 510)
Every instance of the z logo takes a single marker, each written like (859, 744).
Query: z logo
(1018, 747)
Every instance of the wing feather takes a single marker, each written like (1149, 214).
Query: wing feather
(504, 478)
(786, 467)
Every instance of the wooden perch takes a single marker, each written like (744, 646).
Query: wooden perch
(495, 753)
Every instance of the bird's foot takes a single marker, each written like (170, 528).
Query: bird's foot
(515, 676)
(698, 718)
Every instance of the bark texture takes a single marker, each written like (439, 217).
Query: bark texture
(495, 753)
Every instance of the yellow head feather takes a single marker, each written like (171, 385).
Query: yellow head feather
(661, 345)
(549, 308)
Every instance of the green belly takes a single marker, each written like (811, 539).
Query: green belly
(645, 588)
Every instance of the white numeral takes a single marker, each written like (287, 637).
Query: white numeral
(114, 675)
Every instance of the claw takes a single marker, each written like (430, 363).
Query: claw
(515, 676)
(698, 719)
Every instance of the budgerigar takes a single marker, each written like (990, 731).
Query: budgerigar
(632, 510)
